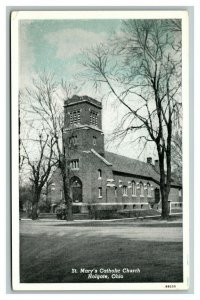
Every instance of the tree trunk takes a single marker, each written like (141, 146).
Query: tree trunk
(48, 199)
(165, 204)
(163, 188)
(36, 198)
(69, 215)
(34, 214)
(68, 200)
(65, 172)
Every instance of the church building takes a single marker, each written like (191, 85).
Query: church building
(102, 180)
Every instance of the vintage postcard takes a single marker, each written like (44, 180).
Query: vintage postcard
(100, 159)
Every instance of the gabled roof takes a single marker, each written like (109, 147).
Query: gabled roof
(132, 166)
(123, 164)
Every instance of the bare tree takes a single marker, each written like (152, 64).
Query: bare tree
(20, 120)
(46, 99)
(46, 193)
(141, 69)
(40, 168)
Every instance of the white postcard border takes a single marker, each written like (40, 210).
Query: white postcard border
(16, 17)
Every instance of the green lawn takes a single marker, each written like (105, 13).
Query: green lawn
(49, 251)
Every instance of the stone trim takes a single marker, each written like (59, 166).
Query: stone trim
(102, 158)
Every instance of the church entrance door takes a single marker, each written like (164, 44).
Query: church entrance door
(76, 194)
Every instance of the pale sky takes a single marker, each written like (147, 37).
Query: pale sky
(56, 46)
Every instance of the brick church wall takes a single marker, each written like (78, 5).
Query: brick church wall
(111, 182)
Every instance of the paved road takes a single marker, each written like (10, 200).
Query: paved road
(50, 249)
(144, 230)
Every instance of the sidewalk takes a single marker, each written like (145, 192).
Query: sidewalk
(147, 219)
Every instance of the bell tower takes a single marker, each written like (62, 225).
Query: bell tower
(83, 124)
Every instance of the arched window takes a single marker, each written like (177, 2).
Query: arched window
(141, 189)
(148, 190)
(94, 140)
(157, 195)
(73, 140)
(124, 190)
(100, 192)
(133, 188)
(99, 174)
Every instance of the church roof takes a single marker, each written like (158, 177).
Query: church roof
(123, 164)
(82, 99)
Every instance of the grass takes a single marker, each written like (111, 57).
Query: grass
(48, 253)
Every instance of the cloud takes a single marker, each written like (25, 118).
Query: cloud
(26, 58)
(69, 42)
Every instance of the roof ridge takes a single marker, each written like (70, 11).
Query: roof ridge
(128, 157)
